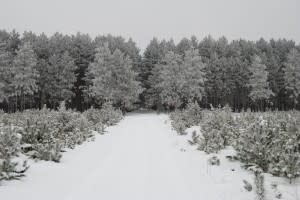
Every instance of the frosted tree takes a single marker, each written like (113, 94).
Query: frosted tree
(193, 89)
(61, 78)
(181, 80)
(258, 83)
(112, 78)
(24, 73)
(170, 79)
(292, 75)
(5, 75)
(9, 148)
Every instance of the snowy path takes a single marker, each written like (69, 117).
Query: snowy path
(139, 159)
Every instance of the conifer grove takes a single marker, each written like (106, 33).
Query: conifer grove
(38, 69)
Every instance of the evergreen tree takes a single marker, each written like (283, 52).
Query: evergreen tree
(260, 90)
(112, 78)
(292, 75)
(193, 88)
(44, 81)
(82, 51)
(24, 74)
(61, 78)
(183, 46)
(207, 48)
(170, 79)
(13, 42)
(5, 75)
(181, 79)
(216, 76)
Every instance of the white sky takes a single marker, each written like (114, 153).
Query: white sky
(144, 19)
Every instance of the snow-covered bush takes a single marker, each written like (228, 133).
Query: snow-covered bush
(37, 126)
(254, 144)
(272, 143)
(93, 115)
(285, 155)
(39, 131)
(106, 116)
(110, 115)
(44, 134)
(77, 131)
(218, 131)
(95, 118)
(269, 141)
(179, 122)
(10, 148)
(50, 151)
(185, 118)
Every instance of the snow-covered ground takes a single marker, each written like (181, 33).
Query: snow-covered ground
(141, 158)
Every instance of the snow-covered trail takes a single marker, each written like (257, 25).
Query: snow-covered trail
(141, 158)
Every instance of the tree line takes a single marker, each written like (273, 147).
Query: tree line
(36, 69)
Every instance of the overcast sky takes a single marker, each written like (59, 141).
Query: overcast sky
(144, 19)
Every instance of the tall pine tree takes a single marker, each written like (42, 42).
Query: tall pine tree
(112, 78)
(180, 79)
(5, 72)
(61, 78)
(24, 74)
(260, 90)
(292, 75)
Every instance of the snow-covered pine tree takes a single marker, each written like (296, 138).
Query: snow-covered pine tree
(254, 146)
(24, 73)
(181, 79)
(292, 75)
(170, 80)
(260, 90)
(9, 148)
(5, 75)
(194, 76)
(287, 149)
(218, 131)
(61, 78)
(152, 56)
(112, 78)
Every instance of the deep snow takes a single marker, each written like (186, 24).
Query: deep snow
(141, 158)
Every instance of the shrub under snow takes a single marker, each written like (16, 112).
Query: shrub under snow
(218, 131)
(183, 119)
(269, 141)
(44, 134)
(9, 149)
(272, 143)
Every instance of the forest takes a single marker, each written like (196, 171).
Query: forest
(84, 72)
(228, 108)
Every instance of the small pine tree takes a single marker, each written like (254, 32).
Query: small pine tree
(289, 153)
(9, 148)
(254, 144)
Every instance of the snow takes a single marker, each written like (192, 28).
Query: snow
(141, 158)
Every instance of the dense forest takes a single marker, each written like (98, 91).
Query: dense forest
(36, 69)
